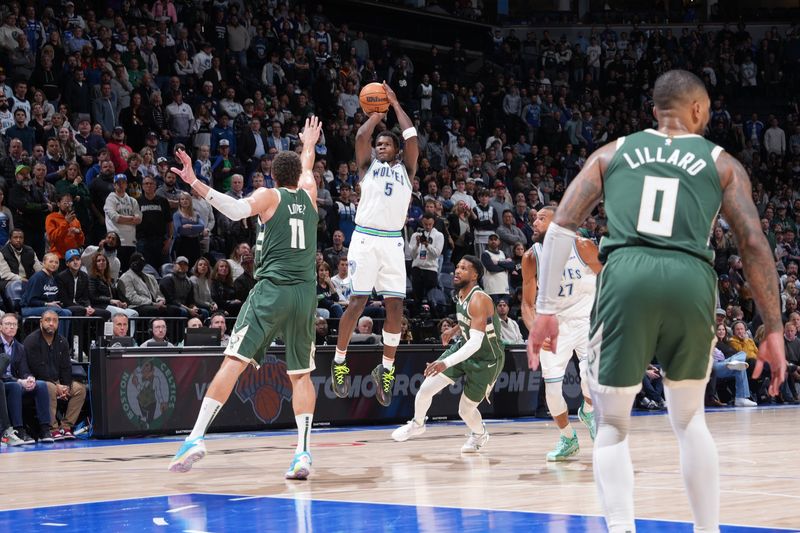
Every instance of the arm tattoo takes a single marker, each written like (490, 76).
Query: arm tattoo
(759, 265)
(584, 193)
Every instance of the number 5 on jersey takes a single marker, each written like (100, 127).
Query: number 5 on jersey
(298, 234)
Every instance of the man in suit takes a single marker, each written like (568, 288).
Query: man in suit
(18, 383)
(252, 144)
(276, 140)
(47, 355)
(73, 288)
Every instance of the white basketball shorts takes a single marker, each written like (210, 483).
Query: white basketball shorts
(376, 260)
(573, 336)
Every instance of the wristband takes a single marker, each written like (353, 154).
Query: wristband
(409, 132)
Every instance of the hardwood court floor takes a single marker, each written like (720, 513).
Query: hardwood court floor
(760, 480)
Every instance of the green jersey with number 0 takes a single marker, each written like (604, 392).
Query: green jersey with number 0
(662, 192)
(286, 245)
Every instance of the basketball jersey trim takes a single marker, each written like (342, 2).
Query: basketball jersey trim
(391, 294)
(378, 232)
(577, 253)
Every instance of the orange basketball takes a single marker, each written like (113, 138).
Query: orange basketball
(373, 98)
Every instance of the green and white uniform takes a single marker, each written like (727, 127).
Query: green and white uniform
(284, 300)
(657, 291)
(481, 369)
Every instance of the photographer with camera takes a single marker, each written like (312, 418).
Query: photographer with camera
(426, 247)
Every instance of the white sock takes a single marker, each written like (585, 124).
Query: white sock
(425, 394)
(613, 469)
(388, 364)
(303, 432)
(340, 356)
(699, 459)
(567, 432)
(468, 411)
(208, 410)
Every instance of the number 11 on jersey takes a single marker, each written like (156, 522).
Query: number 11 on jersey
(298, 233)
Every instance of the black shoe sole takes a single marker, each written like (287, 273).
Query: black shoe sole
(382, 398)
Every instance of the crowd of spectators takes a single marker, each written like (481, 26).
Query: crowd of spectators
(94, 103)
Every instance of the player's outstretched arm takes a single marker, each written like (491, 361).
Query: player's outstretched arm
(481, 310)
(759, 265)
(411, 145)
(232, 208)
(364, 142)
(309, 137)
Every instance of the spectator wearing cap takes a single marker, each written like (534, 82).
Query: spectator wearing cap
(63, 228)
(154, 234)
(142, 291)
(122, 215)
(29, 208)
(119, 150)
(223, 130)
(495, 279)
(509, 329)
(73, 288)
(201, 61)
(179, 119)
(41, 294)
(224, 166)
(178, 290)
(501, 199)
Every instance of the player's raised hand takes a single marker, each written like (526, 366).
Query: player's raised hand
(545, 328)
(311, 131)
(390, 94)
(772, 351)
(187, 172)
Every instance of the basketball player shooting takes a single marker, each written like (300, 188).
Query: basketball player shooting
(376, 257)
(282, 303)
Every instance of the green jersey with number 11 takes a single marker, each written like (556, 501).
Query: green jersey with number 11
(662, 192)
(286, 245)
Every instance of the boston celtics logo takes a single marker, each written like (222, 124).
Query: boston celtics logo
(148, 394)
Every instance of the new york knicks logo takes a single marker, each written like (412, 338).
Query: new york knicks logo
(148, 394)
(266, 388)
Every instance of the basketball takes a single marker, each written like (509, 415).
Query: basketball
(373, 99)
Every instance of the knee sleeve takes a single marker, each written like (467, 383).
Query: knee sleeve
(391, 339)
(554, 395)
(468, 411)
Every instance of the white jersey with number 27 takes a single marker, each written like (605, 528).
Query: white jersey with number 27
(576, 293)
(385, 195)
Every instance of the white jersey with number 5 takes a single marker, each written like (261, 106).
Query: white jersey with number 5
(576, 293)
(385, 195)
